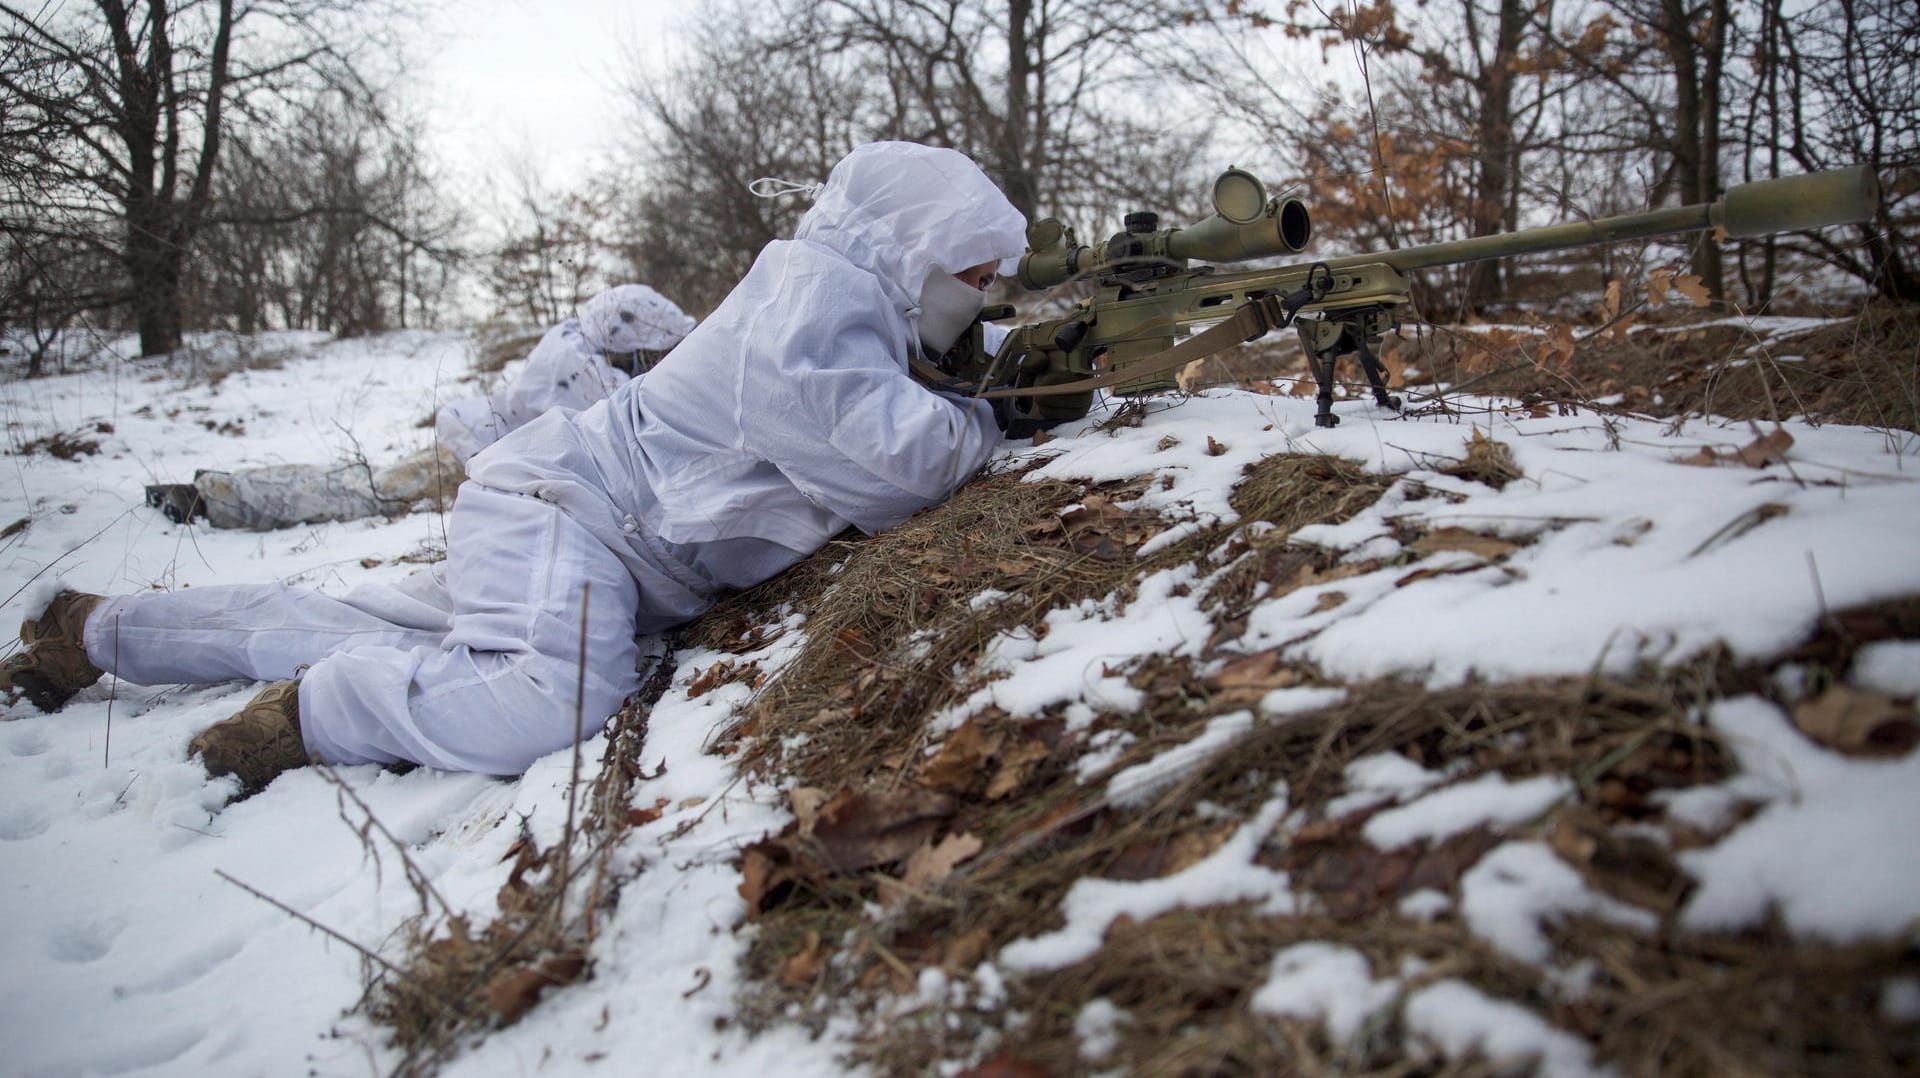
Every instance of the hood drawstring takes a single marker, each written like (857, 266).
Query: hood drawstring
(774, 187)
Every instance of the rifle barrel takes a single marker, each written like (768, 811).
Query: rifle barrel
(1790, 204)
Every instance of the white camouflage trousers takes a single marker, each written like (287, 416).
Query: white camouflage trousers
(490, 661)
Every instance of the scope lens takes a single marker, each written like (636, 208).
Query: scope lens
(1239, 196)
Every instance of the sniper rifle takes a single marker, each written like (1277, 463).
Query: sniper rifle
(1137, 327)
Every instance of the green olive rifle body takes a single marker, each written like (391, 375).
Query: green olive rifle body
(1147, 297)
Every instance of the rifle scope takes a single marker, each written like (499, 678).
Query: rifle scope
(1245, 224)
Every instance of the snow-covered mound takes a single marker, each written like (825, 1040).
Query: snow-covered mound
(153, 928)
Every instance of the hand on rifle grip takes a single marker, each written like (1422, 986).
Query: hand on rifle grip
(1064, 407)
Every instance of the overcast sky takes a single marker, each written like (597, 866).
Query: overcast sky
(507, 77)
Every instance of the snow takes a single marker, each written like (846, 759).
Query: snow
(1854, 870)
(1326, 982)
(1488, 800)
(1228, 875)
(129, 952)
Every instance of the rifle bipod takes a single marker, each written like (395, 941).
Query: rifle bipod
(1349, 332)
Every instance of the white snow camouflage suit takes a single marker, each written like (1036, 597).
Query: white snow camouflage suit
(785, 416)
(567, 369)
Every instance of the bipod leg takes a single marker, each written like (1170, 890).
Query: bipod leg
(1376, 375)
(1322, 365)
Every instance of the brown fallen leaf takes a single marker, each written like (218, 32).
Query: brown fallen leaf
(1007, 1065)
(512, 992)
(1395, 368)
(1766, 449)
(1189, 376)
(1558, 348)
(802, 966)
(1262, 671)
(1452, 539)
(1610, 304)
(1214, 448)
(1167, 442)
(805, 801)
(857, 830)
(1631, 868)
(1691, 286)
(1168, 856)
(1328, 600)
(1488, 461)
(962, 758)
(1705, 458)
(1858, 722)
(640, 817)
(1016, 762)
(932, 863)
(963, 952)
(854, 643)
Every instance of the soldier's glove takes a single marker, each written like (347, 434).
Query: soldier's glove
(1063, 408)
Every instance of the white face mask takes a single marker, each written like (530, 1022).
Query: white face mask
(947, 307)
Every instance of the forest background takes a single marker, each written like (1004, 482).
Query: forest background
(263, 164)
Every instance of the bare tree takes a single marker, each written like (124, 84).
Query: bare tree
(555, 250)
(1063, 101)
(120, 110)
(1842, 86)
(728, 113)
(326, 220)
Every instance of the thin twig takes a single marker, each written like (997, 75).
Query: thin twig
(311, 923)
(573, 781)
(413, 873)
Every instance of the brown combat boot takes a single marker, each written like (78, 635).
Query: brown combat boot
(55, 665)
(257, 744)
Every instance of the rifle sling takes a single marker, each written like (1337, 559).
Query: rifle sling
(1251, 321)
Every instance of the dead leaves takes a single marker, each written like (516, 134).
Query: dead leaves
(724, 672)
(862, 829)
(1246, 681)
(512, 992)
(1615, 326)
(1442, 540)
(1352, 878)
(1858, 722)
(1632, 868)
(850, 832)
(929, 865)
(974, 751)
(1097, 528)
(1669, 279)
(1168, 855)
(1770, 448)
(1487, 461)
(804, 965)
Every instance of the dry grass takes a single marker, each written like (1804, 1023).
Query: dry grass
(455, 980)
(1864, 371)
(499, 345)
(891, 638)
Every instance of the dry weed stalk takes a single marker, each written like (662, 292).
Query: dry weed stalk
(457, 980)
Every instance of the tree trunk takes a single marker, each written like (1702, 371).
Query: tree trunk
(1495, 136)
(1697, 64)
(1019, 159)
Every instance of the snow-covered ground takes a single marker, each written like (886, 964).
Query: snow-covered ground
(129, 953)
